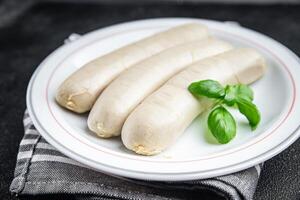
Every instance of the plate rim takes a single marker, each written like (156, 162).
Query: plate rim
(73, 155)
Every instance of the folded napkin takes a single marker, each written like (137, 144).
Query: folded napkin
(41, 169)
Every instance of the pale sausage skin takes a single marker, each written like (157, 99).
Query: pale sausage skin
(117, 101)
(81, 89)
(164, 115)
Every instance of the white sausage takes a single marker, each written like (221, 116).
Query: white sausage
(81, 89)
(117, 101)
(163, 116)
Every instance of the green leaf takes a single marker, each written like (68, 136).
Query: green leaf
(222, 125)
(208, 88)
(250, 111)
(235, 92)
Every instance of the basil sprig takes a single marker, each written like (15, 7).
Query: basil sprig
(220, 122)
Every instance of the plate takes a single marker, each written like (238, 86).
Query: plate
(195, 155)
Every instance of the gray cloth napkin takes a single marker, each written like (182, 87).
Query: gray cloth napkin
(41, 169)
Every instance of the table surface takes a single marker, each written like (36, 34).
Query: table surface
(29, 38)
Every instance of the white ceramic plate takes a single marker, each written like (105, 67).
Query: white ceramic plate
(195, 155)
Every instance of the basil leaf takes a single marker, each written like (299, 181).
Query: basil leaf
(235, 92)
(208, 88)
(250, 111)
(222, 125)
